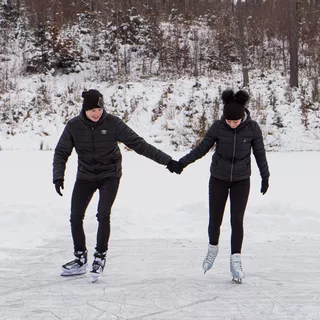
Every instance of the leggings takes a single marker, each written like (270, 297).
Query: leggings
(218, 194)
(82, 194)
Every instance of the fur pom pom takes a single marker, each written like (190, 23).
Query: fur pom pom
(242, 97)
(227, 96)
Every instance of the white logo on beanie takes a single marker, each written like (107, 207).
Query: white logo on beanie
(100, 102)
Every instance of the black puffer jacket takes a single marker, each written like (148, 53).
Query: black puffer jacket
(231, 160)
(97, 147)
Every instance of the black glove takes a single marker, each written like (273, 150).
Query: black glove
(59, 184)
(175, 166)
(264, 186)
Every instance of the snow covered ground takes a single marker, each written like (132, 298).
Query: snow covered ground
(158, 242)
(167, 113)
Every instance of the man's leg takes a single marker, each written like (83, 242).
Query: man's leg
(108, 192)
(82, 193)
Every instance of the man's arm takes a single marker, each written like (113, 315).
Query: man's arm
(61, 154)
(132, 140)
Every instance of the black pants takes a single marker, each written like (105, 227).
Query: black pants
(218, 195)
(82, 194)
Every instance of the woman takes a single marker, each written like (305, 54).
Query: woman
(234, 135)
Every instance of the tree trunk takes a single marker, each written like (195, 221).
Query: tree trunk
(242, 47)
(294, 82)
(315, 4)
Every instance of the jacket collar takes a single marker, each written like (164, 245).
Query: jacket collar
(243, 122)
(90, 123)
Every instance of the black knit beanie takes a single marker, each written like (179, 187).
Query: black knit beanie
(234, 103)
(92, 99)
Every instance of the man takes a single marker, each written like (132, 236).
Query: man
(95, 135)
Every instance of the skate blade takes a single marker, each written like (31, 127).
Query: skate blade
(70, 274)
(206, 268)
(73, 272)
(205, 271)
(237, 280)
(94, 276)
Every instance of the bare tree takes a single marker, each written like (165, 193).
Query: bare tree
(294, 69)
(315, 4)
(241, 44)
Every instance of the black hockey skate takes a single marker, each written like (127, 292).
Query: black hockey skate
(97, 265)
(77, 266)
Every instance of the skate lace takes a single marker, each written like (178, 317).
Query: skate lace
(97, 263)
(210, 257)
(237, 266)
(73, 262)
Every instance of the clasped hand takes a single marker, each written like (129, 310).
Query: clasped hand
(175, 166)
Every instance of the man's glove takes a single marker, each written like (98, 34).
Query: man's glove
(264, 186)
(175, 166)
(59, 184)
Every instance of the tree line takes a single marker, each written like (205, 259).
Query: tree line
(163, 37)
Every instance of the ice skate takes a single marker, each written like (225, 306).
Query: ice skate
(76, 266)
(97, 265)
(236, 268)
(210, 257)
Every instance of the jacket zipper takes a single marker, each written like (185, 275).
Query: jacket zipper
(234, 152)
(93, 148)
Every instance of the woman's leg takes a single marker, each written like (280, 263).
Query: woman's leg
(239, 193)
(218, 194)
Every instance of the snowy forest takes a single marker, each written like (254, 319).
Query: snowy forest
(161, 65)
